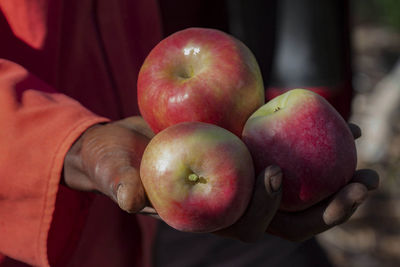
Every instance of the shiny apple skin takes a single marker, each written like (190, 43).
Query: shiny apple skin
(218, 157)
(303, 134)
(203, 75)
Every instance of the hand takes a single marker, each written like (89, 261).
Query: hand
(299, 226)
(106, 158)
(261, 210)
(263, 216)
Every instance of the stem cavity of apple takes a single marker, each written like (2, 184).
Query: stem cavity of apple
(186, 73)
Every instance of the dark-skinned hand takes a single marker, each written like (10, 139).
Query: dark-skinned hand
(106, 159)
(262, 215)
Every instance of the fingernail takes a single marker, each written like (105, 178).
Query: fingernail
(273, 170)
(122, 198)
(119, 192)
(275, 181)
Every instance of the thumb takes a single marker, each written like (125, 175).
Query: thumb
(128, 191)
(261, 209)
(264, 203)
(271, 177)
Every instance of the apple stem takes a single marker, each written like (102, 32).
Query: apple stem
(193, 177)
(191, 71)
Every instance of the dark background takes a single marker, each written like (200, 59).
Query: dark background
(372, 237)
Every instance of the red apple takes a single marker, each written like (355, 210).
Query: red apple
(199, 177)
(304, 135)
(202, 75)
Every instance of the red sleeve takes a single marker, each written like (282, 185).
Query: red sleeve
(37, 127)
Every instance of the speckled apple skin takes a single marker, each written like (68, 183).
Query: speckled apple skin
(202, 75)
(304, 135)
(217, 156)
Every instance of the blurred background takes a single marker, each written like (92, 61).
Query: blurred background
(302, 43)
(372, 236)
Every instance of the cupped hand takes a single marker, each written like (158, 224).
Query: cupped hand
(299, 226)
(262, 208)
(106, 158)
(263, 215)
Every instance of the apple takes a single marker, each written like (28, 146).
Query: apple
(199, 74)
(199, 177)
(304, 135)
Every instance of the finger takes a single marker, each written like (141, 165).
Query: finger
(344, 204)
(149, 211)
(138, 124)
(367, 177)
(130, 194)
(73, 174)
(355, 130)
(262, 207)
(299, 226)
(76, 179)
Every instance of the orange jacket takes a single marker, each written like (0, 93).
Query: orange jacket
(52, 52)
